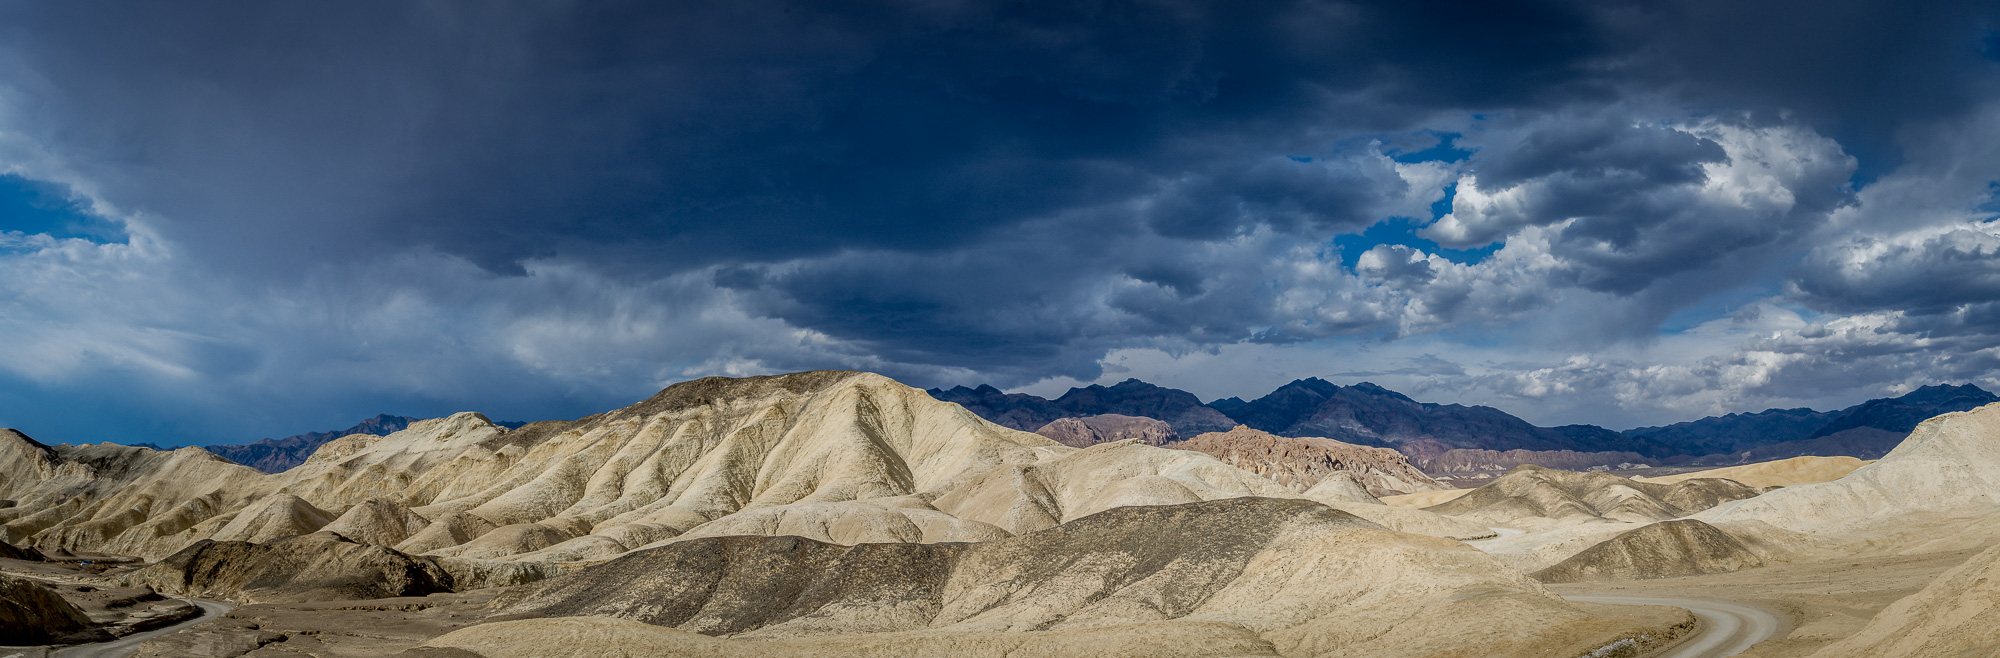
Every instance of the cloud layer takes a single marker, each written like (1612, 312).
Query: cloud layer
(220, 222)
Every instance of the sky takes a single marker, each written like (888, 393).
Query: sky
(221, 221)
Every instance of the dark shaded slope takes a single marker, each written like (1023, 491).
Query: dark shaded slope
(321, 566)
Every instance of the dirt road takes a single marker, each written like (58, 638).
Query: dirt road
(1726, 629)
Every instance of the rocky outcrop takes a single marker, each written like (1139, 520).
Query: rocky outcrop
(1667, 549)
(1245, 576)
(33, 614)
(1301, 462)
(12, 552)
(1105, 428)
(317, 567)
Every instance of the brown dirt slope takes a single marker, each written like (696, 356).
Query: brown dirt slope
(1661, 550)
(1301, 462)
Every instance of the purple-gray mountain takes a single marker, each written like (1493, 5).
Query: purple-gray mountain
(1368, 414)
(1867, 430)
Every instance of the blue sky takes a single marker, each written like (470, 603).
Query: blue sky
(220, 221)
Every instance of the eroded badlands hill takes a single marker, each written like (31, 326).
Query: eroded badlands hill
(1937, 491)
(841, 457)
(1249, 576)
(1301, 462)
(1532, 496)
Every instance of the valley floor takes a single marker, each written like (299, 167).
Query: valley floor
(1816, 603)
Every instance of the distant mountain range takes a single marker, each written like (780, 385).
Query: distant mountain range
(1867, 430)
(1132, 397)
(1453, 438)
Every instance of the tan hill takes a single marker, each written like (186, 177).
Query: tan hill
(1423, 499)
(1957, 614)
(1780, 473)
(1532, 496)
(1300, 462)
(318, 566)
(1246, 576)
(1562, 513)
(1342, 486)
(378, 521)
(1105, 428)
(844, 457)
(1684, 547)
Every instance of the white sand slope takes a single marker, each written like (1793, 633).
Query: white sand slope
(1938, 490)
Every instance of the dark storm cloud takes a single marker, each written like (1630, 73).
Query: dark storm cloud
(666, 137)
(1858, 70)
(945, 192)
(1926, 272)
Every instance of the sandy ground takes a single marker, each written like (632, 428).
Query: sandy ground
(1816, 603)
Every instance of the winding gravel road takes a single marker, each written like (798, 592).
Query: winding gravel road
(1726, 629)
(124, 646)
